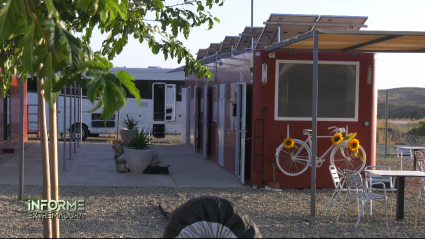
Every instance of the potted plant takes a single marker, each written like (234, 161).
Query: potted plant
(138, 155)
(274, 184)
(129, 125)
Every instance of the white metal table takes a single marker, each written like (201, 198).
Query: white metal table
(401, 175)
(413, 149)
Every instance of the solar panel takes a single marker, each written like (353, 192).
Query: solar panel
(347, 22)
(246, 37)
(292, 25)
(201, 54)
(229, 43)
(213, 49)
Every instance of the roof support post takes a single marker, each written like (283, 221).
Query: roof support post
(278, 33)
(314, 122)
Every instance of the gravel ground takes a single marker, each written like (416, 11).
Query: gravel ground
(134, 211)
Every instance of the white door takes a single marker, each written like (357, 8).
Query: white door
(185, 133)
(195, 117)
(221, 124)
(170, 102)
(205, 136)
(240, 126)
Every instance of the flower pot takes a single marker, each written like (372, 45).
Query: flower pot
(274, 185)
(126, 135)
(138, 159)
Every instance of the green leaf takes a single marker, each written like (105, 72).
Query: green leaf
(10, 13)
(28, 44)
(128, 81)
(350, 136)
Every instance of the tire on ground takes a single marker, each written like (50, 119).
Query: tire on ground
(210, 217)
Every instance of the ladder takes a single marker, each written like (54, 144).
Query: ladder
(259, 136)
(37, 132)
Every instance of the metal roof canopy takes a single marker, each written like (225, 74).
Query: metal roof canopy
(285, 26)
(355, 41)
(345, 41)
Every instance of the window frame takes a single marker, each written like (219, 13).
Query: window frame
(356, 102)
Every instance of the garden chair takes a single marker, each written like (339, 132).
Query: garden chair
(388, 181)
(403, 154)
(420, 160)
(420, 195)
(339, 186)
(356, 188)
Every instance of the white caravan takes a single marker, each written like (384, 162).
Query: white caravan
(160, 110)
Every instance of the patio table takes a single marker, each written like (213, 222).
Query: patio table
(413, 149)
(401, 175)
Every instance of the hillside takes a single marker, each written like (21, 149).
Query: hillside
(406, 103)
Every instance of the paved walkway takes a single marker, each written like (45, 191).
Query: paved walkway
(93, 165)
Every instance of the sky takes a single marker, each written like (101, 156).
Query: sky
(392, 70)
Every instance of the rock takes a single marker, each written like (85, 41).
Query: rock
(120, 160)
(155, 160)
(117, 155)
(118, 149)
(122, 168)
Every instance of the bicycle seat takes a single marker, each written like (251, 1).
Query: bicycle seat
(307, 131)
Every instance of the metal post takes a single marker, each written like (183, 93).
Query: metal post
(70, 121)
(64, 129)
(21, 138)
(81, 115)
(79, 112)
(74, 130)
(118, 123)
(252, 13)
(314, 123)
(386, 122)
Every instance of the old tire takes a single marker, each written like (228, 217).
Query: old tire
(210, 217)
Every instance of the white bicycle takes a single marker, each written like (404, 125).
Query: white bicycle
(295, 160)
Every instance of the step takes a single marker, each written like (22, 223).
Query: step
(10, 150)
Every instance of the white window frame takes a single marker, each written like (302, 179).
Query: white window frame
(356, 107)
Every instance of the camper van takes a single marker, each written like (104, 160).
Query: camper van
(159, 112)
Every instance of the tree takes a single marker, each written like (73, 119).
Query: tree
(37, 38)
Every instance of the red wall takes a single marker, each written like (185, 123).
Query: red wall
(237, 69)
(276, 131)
(15, 104)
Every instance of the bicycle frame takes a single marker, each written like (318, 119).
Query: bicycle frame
(320, 160)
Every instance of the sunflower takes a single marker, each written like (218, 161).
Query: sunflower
(337, 138)
(354, 145)
(288, 143)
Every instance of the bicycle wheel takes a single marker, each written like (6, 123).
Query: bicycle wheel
(293, 161)
(343, 158)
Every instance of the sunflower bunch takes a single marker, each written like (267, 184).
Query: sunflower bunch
(354, 145)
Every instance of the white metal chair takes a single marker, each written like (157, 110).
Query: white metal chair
(420, 160)
(356, 188)
(387, 180)
(339, 186)
(420, 195)
(403, 154)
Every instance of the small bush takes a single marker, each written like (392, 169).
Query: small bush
(420, 130)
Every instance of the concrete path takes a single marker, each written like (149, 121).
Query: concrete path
(93, 165)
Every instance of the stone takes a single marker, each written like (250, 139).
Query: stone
(118, 149)
(122, 168)
(117, 155)
(155, 160)
(120, 160)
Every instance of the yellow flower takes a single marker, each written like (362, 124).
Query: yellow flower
(288, 143)
(337, 138)
(354, 145)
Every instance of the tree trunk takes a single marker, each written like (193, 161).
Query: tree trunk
(53, 160)
(45, 169)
